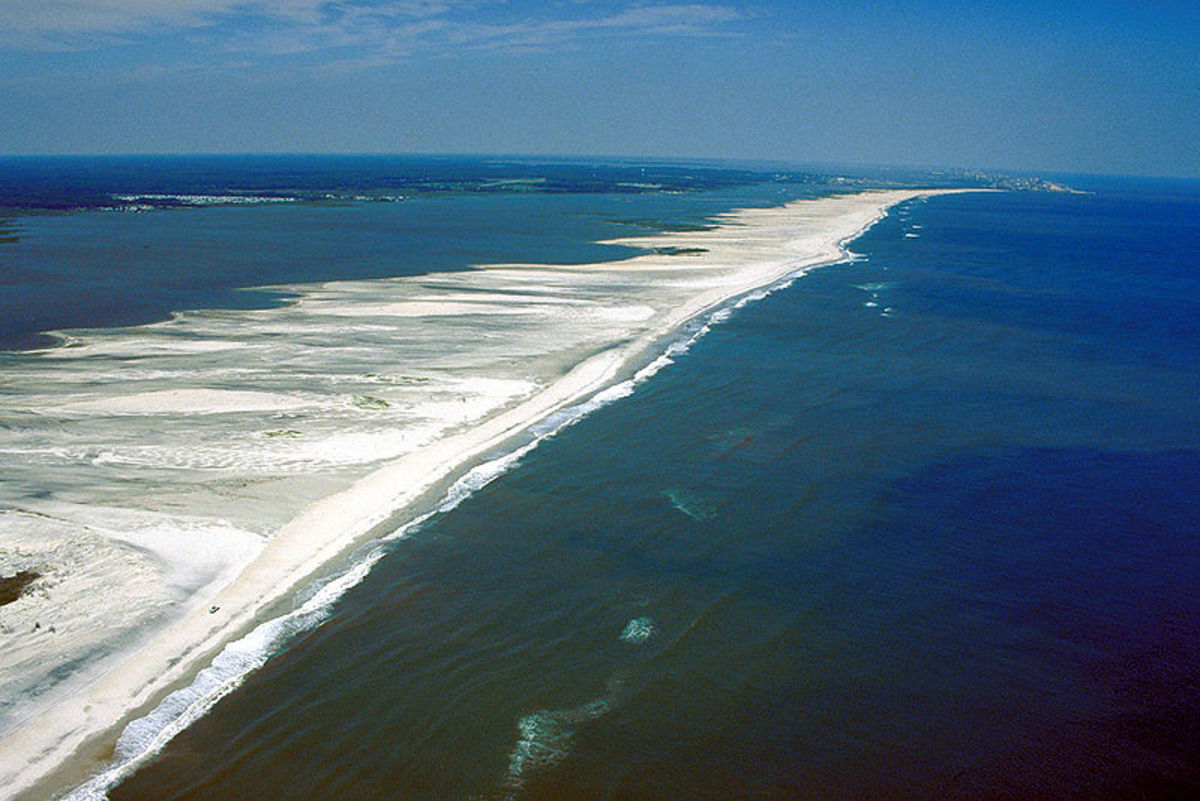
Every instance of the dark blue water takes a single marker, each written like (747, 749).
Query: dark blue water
(86, 182)
(134, 248)
(924, 525)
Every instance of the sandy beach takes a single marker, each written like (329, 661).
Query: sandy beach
(563, 321)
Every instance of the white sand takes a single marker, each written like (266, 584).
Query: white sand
(604, 341)
(189, 401)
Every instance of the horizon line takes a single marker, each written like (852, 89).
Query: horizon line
(761, 163)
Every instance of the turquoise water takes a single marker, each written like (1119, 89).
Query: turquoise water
(106, 268)
(173, 450)
(155, 235)
(921, 525)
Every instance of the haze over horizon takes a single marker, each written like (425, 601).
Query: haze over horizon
(1108, 88)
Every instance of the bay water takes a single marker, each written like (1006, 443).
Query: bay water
(920, 525)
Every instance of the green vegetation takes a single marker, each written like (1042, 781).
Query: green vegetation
(397, 379)
(678, 251)
(661, 225)
(8, 232)
(11, 587)
(370, 402)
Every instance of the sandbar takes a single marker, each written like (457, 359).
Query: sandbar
(746, 251)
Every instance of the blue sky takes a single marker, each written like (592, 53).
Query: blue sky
(1064, 86)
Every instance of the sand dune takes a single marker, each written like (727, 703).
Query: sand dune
(571, 331)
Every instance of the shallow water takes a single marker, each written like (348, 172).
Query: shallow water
(108, 268)
(922, 525)
(148, 463)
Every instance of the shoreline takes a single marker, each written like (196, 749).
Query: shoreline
(748, 251)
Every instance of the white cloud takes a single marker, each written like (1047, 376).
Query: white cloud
(30, 22)
(386, 28)
(542, 32)
(108, 16)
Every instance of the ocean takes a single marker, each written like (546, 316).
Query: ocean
(920, 524)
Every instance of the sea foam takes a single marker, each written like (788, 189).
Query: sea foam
(464, 368)
(545, 734)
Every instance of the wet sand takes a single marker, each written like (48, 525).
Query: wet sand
(684, 275)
